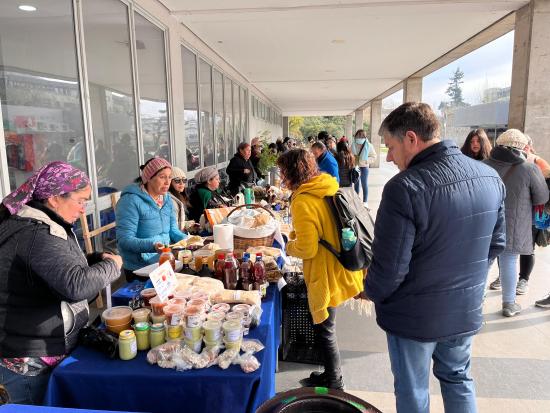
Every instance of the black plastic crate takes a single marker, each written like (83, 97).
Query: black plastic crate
(297, 339)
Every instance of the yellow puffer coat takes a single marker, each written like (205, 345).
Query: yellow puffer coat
(328, 283)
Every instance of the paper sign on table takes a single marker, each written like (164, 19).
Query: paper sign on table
(164, 280)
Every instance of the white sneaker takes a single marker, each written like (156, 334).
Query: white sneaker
(366, 205)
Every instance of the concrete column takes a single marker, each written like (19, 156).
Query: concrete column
(412, 89)
(349, 127)
(359, 120)
(375, 122)
(285, 126)
(530, 74)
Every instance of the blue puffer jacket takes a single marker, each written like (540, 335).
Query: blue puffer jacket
(439, 223)
(140, 223)
(327, 163)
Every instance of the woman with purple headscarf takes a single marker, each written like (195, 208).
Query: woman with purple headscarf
(45, 279)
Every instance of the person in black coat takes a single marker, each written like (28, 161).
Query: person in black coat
(439, 226)
(240, 169)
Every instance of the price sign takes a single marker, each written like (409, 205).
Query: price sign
(164, 280)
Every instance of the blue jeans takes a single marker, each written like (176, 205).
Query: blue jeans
(508, 270)
(410, 364)
(24, 389)
(364, 182)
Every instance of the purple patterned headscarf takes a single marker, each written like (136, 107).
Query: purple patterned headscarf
(55, 178)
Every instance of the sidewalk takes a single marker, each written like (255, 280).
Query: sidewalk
(511, 356)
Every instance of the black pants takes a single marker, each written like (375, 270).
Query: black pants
(325, 339)
(526, 263)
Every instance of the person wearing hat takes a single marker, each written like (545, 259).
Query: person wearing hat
(205, 195)
(145, 217)
(525, 189)
(180, 200)
(46, 279)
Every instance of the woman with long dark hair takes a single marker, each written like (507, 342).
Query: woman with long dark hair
(477, 145)
(346, 164)
(328, 283)
(179, 195)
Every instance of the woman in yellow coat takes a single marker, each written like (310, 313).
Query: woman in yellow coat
(328, 283)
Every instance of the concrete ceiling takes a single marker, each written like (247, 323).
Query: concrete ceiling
(330, 57)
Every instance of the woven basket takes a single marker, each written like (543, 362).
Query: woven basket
(242, 243)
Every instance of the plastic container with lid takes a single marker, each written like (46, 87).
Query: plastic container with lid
(178, 299)
(158, 318)
(232, 330)
(156, 335)
(117, 319)
(141, 315)
(147, 294)
(194, 345)
(193, 316)
(173, 332)
(142, 335)
(233, 345)
(157, 306)
(167, 255)
(211, 344)
(212, 330)
(216, 316)
(198, 302)
(127, 345)
(173, 313)
(193, 333)
(235, 315)
(241, 308)
(221, 307)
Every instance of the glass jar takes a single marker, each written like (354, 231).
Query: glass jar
(167, 256)
(156, 335)
(142, 335)
(127, 345)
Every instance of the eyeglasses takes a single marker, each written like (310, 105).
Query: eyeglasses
(179, 180)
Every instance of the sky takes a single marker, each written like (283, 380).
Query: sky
(489, 66)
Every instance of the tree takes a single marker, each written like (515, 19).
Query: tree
(454, 91)
(295, 124)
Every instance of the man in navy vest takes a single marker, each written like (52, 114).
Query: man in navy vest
(439, 225)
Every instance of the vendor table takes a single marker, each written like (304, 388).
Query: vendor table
(20, 408)
(87, 379)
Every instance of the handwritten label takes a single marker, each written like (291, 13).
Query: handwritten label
(164, 280)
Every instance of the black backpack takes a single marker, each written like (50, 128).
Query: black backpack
(349, 212)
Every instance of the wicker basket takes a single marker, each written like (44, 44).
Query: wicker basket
(241, 243)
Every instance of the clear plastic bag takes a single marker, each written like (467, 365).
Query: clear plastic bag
(248, 362)
(251, 346)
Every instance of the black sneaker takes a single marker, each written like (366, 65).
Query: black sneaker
(315, 379)
(544, 303)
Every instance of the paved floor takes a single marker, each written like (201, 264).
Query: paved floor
(511, 356)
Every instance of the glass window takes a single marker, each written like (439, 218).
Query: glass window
(205, 94)
(190, 109)
(108, 58)
(39, 88)
(236, 117)
(218, 115)
(244, 116)
(153, 100)
(228, 102)
(466, 96)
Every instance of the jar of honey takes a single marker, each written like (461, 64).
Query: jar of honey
(156, 335)
(142, 335)
(127, 345)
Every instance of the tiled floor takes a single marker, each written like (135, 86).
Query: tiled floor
(511, 356)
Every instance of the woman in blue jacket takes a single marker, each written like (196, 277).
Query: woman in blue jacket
(145, 217)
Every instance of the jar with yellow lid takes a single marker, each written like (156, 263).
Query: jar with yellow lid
(156, 335)
(142, 335)
(127, 345)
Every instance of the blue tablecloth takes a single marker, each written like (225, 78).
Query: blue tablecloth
(19, 408)
(89, 380)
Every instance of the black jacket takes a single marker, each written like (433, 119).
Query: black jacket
(235, 170)
(45, 281)
(439, 224)
(196, 208)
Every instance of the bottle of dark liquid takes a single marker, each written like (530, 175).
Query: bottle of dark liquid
(219, 269)
(230, 270)
(247, 273)
(167, 255)
(259, 275)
